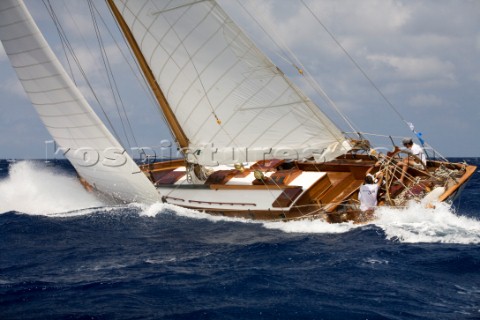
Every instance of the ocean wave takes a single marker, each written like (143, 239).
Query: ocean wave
(33, 188)
(417, 224)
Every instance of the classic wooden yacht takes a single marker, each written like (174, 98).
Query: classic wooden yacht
(278, 190)
(254, 146)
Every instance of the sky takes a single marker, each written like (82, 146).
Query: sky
(382, 62)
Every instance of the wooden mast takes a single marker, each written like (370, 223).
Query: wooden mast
(164, 105)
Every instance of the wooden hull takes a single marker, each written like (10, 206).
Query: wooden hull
(298, 190)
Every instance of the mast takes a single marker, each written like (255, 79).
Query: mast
(214, 71)
(157, 91)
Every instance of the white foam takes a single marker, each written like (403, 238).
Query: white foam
(33, 188)
(302, 226)
(415, 224)
(160, 208)
(310, 226)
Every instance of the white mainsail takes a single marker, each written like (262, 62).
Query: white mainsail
(96, 155)
(225, 93)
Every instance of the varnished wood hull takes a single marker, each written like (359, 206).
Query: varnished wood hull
(331, 197)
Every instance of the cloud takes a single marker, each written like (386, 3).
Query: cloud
(426, 100)
(416, 68)
(423, 55)
(371, 17)
(79, 23)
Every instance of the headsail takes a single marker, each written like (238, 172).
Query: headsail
(96, 155)
(225, 93)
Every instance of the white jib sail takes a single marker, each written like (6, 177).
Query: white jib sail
(225, 93)
(96, 155)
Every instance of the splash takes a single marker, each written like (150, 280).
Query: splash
(310, 226)
(33, 188)
(416, 224)
(413, 224)
(301, 226)
(161, 208)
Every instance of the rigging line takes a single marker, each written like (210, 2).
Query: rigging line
(77, 62)
(355, 63)
(376, 134)
(115, 81)
(57, 23)
(142, 80)
(408, 124)
(295, 62)
(313, 82)
(436, 152)
(286, 194)
(196, 70)
(177, 7)
(111, 79)
(177, 185)
(274, 197)
(135, 71)
(307, 103)
(190, 57)
(85, 42)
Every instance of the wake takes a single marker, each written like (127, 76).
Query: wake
(413, 224)
(31, 188)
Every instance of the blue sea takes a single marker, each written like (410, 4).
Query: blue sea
(66, 255)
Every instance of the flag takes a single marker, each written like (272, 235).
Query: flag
(419, 136)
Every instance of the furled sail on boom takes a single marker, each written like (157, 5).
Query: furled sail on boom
(96, 155)
(225, 93)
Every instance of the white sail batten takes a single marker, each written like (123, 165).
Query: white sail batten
(225, 93)
(96, 155)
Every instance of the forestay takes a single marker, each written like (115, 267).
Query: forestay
(93, 151)
(225, 93)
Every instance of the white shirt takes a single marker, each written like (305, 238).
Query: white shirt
(368, 196)
(416, 150)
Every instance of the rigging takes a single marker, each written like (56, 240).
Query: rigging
(111, 79)
(354, 62)
(66, 44)
(289, 57)
(410, 126)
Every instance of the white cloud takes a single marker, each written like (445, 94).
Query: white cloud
(371, 17)
(421, 54)
(426, 100)
(114, 55)
(79, 24)
(416, 68)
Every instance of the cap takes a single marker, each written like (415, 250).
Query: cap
(407, 141)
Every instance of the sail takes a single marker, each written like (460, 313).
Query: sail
(225, 93)
(96, 155)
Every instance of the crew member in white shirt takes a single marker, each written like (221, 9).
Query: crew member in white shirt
(368, 193)
(419, 162)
